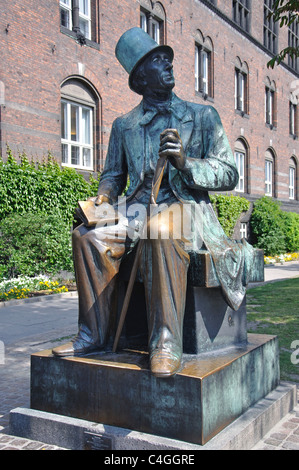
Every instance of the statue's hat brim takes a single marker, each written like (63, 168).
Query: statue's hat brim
(133, 47)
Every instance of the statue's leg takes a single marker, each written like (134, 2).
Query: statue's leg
(165, 279)
(97, 254)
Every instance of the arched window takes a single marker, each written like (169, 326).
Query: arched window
(153, 20)
(269, 173)
(293, 179)
(241, 87)
(270, 103)
(241, 156)
(204, 65)
(79, 111)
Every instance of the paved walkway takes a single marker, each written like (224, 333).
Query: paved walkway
(28, 326)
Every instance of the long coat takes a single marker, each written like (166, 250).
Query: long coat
(210, 166)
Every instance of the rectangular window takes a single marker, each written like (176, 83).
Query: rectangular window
(240, 163)
(66, 16)
(269, 106)
(152, 26)
(268, 178)
(85, 18)
(241, 13)
(270, 28)
(66, 13)
(292, 178)
(293, 120)
(76, 135)
(202, 70)
(293, 41)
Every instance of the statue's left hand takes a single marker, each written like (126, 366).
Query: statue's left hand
(171, 147)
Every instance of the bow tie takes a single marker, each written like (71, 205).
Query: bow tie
(152, 111)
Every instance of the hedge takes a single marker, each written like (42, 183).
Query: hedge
(274, 230)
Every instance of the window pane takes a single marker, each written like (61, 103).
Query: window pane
(83, 7)
(75, 155)
(84, 27)
(64, 121)
(85, 126)
(292, 183)
(143, 22)
(205, 64)
(156, 31)
(64, 153)
(74, 123)
(196, 68)
(65, 18)
(86, 157)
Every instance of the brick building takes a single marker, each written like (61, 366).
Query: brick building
(61, 86)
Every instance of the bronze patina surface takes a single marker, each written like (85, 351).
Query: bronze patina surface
(182, 146)
(208, 392)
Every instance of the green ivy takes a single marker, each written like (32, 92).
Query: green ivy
(27, 186)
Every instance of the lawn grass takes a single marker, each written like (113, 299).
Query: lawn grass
(274, 309)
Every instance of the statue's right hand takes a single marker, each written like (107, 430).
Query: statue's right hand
(100, 199)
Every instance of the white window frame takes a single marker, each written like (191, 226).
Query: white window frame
(155, 33)
(292, 180)
(240, 90)
(68, 144)
(85, 18)
(66, 5)
(151, 26)
(240, 163)
(268, 177)
(143, 21)
(269, 106)
(202, 57)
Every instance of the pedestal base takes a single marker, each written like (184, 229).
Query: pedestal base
(210, 391)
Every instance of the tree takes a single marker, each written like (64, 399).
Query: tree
(286, 12)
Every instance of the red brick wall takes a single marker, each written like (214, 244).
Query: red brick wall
(36, 58)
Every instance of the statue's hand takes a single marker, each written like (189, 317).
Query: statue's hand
(100, 199)
(171, 147)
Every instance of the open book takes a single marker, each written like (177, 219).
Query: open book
(101, 215)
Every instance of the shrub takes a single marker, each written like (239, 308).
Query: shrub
(268, 226)
(291, 231)
(33, 243)
(29, 186)
(228, 210)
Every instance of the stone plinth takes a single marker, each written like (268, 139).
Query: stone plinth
(211, 390)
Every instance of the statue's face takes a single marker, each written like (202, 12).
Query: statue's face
(159, 71)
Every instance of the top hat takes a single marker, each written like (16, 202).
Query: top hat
(133, 47)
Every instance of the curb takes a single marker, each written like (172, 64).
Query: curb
(39, 298)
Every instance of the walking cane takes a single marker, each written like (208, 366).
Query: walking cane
(159, 171)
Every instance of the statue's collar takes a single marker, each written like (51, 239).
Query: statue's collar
(150, 108)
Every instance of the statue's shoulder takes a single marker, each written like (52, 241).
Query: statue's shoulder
(195, 108)
(127, 119)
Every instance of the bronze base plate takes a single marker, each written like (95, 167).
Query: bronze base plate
(210, 391)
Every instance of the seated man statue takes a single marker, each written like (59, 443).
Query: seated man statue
(191, 139)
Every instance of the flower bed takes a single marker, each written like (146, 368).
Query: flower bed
(25, 287)
(281, 258)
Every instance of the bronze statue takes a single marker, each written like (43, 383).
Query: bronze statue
(191, 140)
